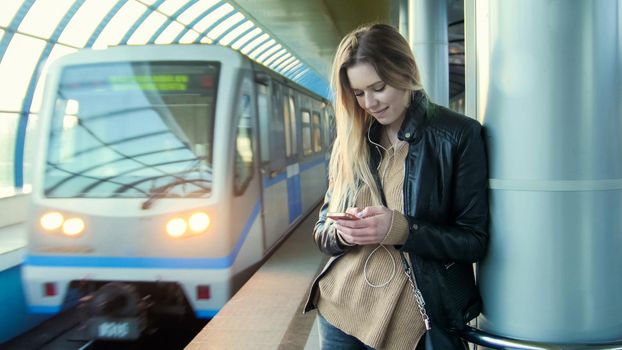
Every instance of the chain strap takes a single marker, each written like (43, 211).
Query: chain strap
(418, 296)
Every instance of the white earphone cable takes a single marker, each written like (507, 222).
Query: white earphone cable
(392, 271)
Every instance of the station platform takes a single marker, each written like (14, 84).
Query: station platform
(266, 313)
(12, 230)
(14, 316)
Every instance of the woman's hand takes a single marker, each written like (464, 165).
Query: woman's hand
(371, 227)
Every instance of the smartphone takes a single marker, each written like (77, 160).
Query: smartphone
(341, 216)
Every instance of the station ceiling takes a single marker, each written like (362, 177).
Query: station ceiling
(314, 28)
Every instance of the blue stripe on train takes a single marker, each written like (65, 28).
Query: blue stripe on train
(269, 182)
(293, 197)
(208, 313)
(310, 164)
(149, 263)
(44, 309)
(275, 180)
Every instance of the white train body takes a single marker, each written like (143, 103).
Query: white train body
(199, 129)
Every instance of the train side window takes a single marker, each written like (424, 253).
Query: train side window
(263, 110)
(316, 133)
(288, 129)
(290, 106)
(329, 128)
(277, 132)
(306, 133)
(243, 167)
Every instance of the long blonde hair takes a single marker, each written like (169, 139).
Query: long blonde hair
(388, 52)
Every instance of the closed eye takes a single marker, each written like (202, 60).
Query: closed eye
(380, 88)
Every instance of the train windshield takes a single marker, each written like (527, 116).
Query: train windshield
(133, 130)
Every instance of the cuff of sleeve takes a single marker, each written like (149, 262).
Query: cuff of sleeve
(398, 232)
(342, 241)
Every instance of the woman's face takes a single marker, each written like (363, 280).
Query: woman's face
(384, 102)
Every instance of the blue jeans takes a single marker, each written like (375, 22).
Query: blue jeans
(333, 338)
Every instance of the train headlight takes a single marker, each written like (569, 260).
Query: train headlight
(199, 222)
(176, 227)
(51, 221)
(73, 226)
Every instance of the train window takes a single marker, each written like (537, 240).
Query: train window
(277, 132)
(289, 147)
(306, 133)
(132, 129)
(243, 167)
(329, 128)
(316, 133)
(264, 121)
(291, 115)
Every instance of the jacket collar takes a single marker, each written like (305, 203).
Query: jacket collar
(416, 116)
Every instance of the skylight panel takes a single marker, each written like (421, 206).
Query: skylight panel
(189, 37)
(225, 25)
(9, 9)
(206, 40)
(236, 32)
(119, 24)
(257, 51)
(170, 33)
(18, 65)
(286, 66)
(280, 60)
(300, 75)
(43, 17)
(212, 17)
(169, 7)
(146, 30)
(195, 11)
(267, 54)
(84, 22)
(253, 44)
(243, 40)
(277, 55)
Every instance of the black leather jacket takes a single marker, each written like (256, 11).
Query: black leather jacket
(446, 205)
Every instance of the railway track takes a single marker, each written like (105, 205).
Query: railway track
(66, 331)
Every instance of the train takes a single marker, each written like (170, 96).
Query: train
(165, 174)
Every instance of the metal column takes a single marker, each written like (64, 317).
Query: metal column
(549, 92)
(427, 33)
(403, 17)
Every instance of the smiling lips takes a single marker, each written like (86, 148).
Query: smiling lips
(380, 111)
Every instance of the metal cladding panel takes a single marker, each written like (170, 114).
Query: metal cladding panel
(553, 100)
(549, 92)
(553, 268)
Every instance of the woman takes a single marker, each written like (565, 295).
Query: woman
(414, 175)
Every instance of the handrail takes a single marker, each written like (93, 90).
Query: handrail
(479, 337)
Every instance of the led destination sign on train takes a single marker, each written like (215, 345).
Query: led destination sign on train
(155, 82)
(160, 82)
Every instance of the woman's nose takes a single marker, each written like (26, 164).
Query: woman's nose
(370, 101)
